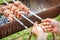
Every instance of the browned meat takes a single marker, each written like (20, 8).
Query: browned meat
(21, 6)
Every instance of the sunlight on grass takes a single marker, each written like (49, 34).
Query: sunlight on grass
(1, 1)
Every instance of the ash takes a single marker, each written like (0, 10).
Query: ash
(3, 20)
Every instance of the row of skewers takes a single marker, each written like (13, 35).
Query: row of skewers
(16, 10)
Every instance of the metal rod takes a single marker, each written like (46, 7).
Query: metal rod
(27, 18)
(5, 1)
(20, 22)
(35, 15)
(13, 0)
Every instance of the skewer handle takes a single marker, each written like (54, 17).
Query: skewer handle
(53, 36)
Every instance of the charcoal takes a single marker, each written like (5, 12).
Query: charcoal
(3, 20)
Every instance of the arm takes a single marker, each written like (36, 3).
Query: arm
(58, 29)
(42, 37)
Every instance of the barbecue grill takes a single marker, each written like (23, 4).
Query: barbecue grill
(42, 8)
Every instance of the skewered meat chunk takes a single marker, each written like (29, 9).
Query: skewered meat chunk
(1, 8)
(16, 13)
(9, 14)
(10, 17)
(21, 6)
(9, 6)
(15, 10)
(19, 15)
(6, 13)
(17, 3)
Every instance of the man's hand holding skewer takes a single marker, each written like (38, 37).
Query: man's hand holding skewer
(39, 32)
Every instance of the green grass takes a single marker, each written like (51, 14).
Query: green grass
(1, 1)
(58, 18)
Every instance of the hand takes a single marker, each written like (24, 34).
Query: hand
(37, 30)
(51, 25)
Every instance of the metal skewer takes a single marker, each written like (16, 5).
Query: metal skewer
(22, 12)
(20, 22)
(35, 15)
(27, 18)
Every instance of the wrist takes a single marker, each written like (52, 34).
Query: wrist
(42, 36)
(58, 29)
